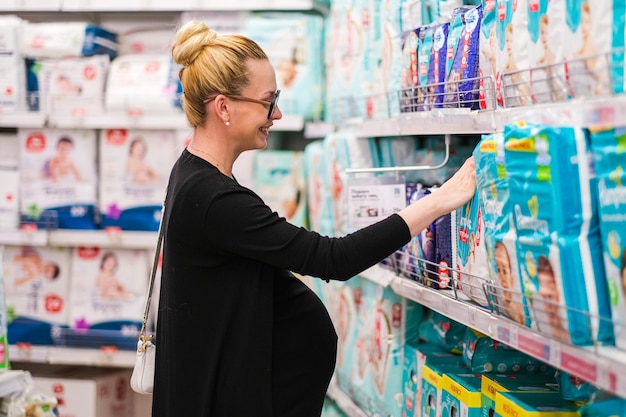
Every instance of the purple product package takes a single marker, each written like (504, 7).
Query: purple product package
(443, 252)
(437, 69)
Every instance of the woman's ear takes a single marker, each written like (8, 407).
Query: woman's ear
(221, 107)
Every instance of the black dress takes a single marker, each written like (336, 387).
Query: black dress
(238, 335)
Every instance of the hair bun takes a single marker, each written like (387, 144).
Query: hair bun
(190, 41)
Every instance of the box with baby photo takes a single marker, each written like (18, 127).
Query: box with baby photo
(107, 297)
(36, 283)
(58, 177)
(134, 169)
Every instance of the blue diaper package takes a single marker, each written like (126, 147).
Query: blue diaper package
(500, 234)
(424, 49)
(443, 251)
(425, 249)
(483, 354)
(437, 69)
(609, 156)
(455, 30)
(552, 192)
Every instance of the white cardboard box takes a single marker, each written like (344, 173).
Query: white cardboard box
(88, 392)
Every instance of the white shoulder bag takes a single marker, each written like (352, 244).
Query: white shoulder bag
(142, 378)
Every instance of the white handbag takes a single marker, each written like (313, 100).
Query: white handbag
(142, 378)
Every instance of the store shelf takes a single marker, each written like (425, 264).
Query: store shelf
(13, 382)
(344, 402)
(105, 357)
(112, 238)
(137, 119)
(601, 365)
(22, 119)
(158, 5)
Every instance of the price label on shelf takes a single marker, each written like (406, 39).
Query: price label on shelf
(507, 334)
(375, 198)
(534, 346)
(576, 364)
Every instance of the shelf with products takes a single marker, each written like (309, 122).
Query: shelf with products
(106, 356)
(158, 5)
(603, 366)
(343, 401)
(110, 238)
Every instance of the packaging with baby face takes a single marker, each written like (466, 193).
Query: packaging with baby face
(279, 181)
(108, 290)
(558, 234)
(546, 23)
(36, 285)
(512, 82)
(591, 32)
(500, 234)
(134, 170)
(58, 177)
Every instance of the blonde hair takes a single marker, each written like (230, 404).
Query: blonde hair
(211, 64)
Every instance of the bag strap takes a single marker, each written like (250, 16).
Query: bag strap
(155, 265)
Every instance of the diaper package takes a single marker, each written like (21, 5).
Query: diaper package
(510, 404)
(142, 83)
(483, 354)
(462, 58)
(409, 81)
(134, 170)
(9, 182)
(604, 408)
(609, 156)
(423, 255)
(437, 68)
(444, 248)
(576, 389)
(591, 32)
(440, 330)
(36, 285)
(279, 181)
(58, 177)
(108, 289)
(12, 81)
(493, 383)
(460, 393)
(432, 375)
(470, 258)
(346, 151)
(146, 41)
(67, 39)
(558, 241)
(546, 22)
(362, 24)
(319, 200)
(293, 44)
(415, 357)
(512, 35)
(500, 234)
(424, 49)
(488, 47)
(69, 86)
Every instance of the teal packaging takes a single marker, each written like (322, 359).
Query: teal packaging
(470, 259)
(293, 42)
(443, 331)
(319, 200)
(424, 48)
(437, 69)
(576, 389)
(409, 80)
(492, 384)
(609, 156)
(415, 356)
(432, 375)
(460, 395)
(531, 404)
(488, 47)
(483, 354)
(279, 180)
(343, 151)
(613, 407)
(500, 234)
(552, 192)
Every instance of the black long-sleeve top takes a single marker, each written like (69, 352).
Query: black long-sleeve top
(237, 334)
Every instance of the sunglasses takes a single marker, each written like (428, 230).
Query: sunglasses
(271, 104)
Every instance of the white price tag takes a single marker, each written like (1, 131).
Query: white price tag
(373, 199)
